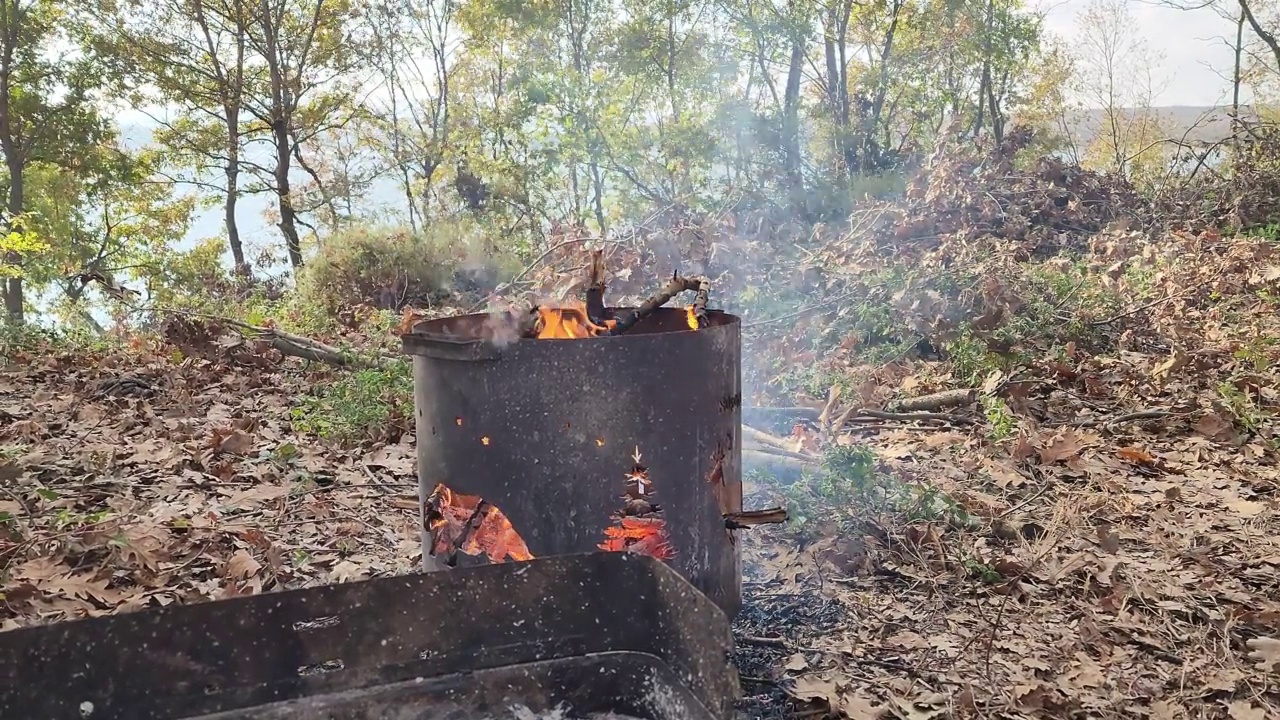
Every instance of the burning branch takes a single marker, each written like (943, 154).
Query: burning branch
(697, 311)
(596, 286)
(471, 525)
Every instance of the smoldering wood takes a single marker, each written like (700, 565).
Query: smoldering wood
(596, 286)
(472, 525)
(529, 323)
(751, 518)
(677, 285)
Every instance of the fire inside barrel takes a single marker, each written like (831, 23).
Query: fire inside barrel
(471, 525)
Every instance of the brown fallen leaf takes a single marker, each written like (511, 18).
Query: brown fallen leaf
(1176, 361)
(1265, 652)
(796, 663)
(1246, 508)
(84, 587)
(242, 566)
(1215, 427)
(1137, 456)
(1108, 539)
(231, 441)
(1059, 447)
(1245, 710)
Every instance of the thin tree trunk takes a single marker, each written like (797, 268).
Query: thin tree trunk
(1235, 76)
(791, 115)
(13, 292)
(233, 193)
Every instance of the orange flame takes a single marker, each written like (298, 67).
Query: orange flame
(569, 322)
(646, 532)
(643, 535)
(454, 521)
(690, 317)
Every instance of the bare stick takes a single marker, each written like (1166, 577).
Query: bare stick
(763, 438)
(747, 444)
(751, 518)
(596, 287)
(936, 401)
(676, 286)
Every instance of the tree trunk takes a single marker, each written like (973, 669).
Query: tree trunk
(13, 293)
(791, 117)
(1235, 76)
(288, 217)
(233, 194)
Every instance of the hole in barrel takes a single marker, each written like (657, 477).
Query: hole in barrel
(461, 524)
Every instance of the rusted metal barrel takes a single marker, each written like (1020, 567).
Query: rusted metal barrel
(548, 430)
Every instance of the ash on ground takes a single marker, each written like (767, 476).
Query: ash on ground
(523, 713)
(773, 610)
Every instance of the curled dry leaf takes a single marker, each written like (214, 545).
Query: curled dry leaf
(242, 566)
(1265, 652)
(1060, 446)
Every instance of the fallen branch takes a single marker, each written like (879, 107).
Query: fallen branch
(676, 286)
(288, 343)
(764, 641)
(761, 437)
(868, 415)
(936, 401)
(751, 518)
(782, 468)
(747, 444)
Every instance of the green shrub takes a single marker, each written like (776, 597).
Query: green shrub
(391, 268)
(361, 405)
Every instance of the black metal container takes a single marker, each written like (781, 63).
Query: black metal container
(547, 430)
(590, 634)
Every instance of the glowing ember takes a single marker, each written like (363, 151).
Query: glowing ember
(569, 322)
(468, 524)
(643, 535)
(690, 317)
(639, 527)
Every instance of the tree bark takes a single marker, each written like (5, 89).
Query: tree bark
(13, 153)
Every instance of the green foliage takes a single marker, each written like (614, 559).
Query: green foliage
(20, 242)
(1001, 419)
(390, 268)
(357, 405)
(850, 490)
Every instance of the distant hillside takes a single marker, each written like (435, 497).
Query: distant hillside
(1197, 125)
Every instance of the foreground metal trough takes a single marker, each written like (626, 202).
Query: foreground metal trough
(605, 632)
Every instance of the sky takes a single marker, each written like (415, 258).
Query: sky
(1197, 58)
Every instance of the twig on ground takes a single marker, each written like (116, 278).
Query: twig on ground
(935, 401)
(1128, 417)
(1135, 311)
(763, 641)
(748, 444)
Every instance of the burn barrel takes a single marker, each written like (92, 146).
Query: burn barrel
(548, 431)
